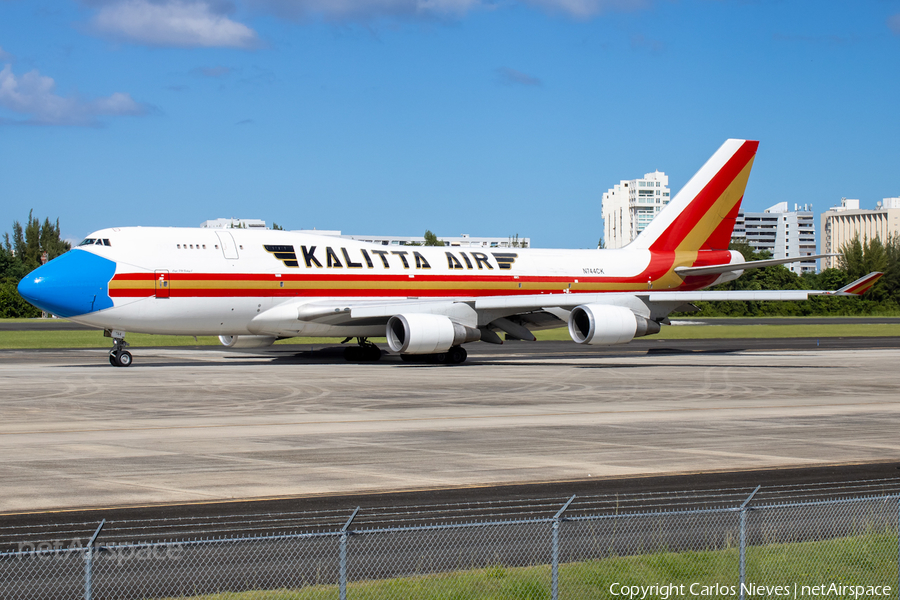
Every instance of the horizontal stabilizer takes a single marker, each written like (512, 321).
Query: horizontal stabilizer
(744, 266)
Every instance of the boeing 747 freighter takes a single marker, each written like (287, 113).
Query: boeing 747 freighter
(252, 288)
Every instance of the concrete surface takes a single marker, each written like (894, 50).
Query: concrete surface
(183, 425)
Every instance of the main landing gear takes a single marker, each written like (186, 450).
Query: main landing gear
(453, 356)
(364, 351)
(119, 356)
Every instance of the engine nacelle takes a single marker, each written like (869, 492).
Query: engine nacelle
(426, 334)
(606, 325)
(247, 341)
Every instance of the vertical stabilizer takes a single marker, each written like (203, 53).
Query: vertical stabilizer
(702, 215)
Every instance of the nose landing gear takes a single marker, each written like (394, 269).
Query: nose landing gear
(118, 356)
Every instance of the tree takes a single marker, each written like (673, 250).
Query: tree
(22, 254)
(515, 242)
(860, 258)
(431, 239)
(276, 227)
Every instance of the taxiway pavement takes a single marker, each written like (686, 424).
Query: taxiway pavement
(186, 425)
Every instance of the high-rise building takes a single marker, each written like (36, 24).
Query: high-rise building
(781, 232)
(840, 224)
(629, 207)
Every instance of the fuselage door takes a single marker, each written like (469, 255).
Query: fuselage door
(163, 284)
(229, 249)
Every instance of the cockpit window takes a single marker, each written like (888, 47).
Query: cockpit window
(95, 242)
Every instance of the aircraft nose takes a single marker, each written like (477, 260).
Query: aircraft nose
(73, 284)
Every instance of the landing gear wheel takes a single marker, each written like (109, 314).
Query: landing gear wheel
(121, 359)
(440, 358)
(372, 353)
(119, 356)
(456, 355)
(125, 359)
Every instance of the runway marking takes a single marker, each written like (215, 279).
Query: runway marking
(452, 418)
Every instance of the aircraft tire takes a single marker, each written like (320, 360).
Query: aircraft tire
(456, 355)
(372, 353)
(123, 359)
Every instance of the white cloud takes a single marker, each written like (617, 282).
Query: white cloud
(4, 55)
(894, 23)
(585, 9)
(180, 23)
(33, 95)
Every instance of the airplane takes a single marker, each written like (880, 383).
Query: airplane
(253, 287)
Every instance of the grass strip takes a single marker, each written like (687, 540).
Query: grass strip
(23, 340)
(725, 331)
(863, 560)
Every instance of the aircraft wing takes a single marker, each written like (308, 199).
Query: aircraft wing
(530, 311)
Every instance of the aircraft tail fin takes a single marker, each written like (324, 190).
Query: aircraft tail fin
(860, 286)
(702, 215)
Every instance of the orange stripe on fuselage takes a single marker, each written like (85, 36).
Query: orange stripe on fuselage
(134, 285)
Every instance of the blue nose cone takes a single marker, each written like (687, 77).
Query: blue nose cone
(74, 284)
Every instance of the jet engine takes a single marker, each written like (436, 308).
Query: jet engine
(427, 334)
(247, 341)
(606, 325)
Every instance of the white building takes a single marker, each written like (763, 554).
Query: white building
(629, 207)
(840, 224)
(464, 240)
(234, 224)
(781, 232)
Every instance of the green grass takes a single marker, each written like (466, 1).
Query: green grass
(22, 340)
(10, 340)
(869, 559)
(705, 332)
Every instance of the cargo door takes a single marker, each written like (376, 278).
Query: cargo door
(163, 284)
(229, 249)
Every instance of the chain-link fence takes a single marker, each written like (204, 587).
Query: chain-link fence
(846, 547)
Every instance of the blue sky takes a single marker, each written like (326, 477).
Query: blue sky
(460, 116)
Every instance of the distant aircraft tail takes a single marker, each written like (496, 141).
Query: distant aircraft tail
(702, 215)
(860, 286)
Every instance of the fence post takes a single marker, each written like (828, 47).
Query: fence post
(89, 560)
(554, 550)
(342, 565)
(743, 564)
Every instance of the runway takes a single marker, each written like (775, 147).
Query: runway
(186, 425)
